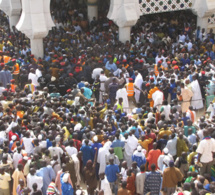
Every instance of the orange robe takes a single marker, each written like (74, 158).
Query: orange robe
(152, 158)
(131, 184)
(151, 91)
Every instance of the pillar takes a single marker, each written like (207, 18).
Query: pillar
(35, 22)
(37, 47)
(124, 34)
(203, 9)
(92, 9)
(124, 13)
(202, 22)
(12, 8)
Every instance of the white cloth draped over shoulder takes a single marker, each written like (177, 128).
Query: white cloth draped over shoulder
(196, 102)
(138, 82)
(158, 97)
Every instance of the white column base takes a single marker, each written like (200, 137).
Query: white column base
(92, 11)
(37, 47)
(13, 20)
(203, 22)
(124, 34)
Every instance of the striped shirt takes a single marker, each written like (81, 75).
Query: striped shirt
(52, 190)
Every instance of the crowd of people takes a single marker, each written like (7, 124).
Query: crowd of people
(97, 116)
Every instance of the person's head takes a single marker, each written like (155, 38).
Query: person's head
(129, 171)
(171, 163)
(2, 170)
(21, 183)
(153, 167)
(111, 161)
(20, 167)
(32, 171)
(34, 186)
(124, 184)
(142, 168)
(102, 176)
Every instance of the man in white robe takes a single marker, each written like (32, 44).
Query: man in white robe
(158, 97)
(138, 82)
(122, 93)
(105, 185)
(75, 158)
(196, 102)
(186, 94)
(101, 156)
(32, 178)
(130, 145)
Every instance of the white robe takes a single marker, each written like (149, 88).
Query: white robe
(31, 179)
(101, 156)
(77, 168)
(138, 82)
(130, 146)
(197, 95)
(122, 93)
(105, 186)
(157, 97)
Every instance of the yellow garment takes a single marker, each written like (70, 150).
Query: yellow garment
(66, 134)
(145, 143)
(70, 102)
(190, 157)
(103, 111)
(151, 91)
(17, 175)
(181, 147)
(164, 132)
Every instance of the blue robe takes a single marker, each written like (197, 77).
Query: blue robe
(5, 77)
(66, 187)
(47, 173)
(88, 154)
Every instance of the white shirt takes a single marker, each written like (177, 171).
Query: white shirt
(105, 186)
(16, 157)
(31, 179)
(29, 148)
(96, 71)
(171, 145)
(205, 148)
(71, 150)
(56, 151)
(140, 180)
(33, 78)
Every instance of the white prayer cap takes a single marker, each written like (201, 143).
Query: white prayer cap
(65, 177)
(13, 137)
(40, 137)
(139, 148)
(53, 78)
(86, 83)
(95, 138)
(25, 158)
(165, 150)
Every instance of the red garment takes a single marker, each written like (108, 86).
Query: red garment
(152, 136)
(77, 144)
(131, 184)
(152, 158)
(11, 134)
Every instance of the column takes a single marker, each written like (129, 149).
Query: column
(124, 34)
(202, 22)
(12, 8)
(92, 9)
(124, 14)
(37, 47)
(35, 22)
